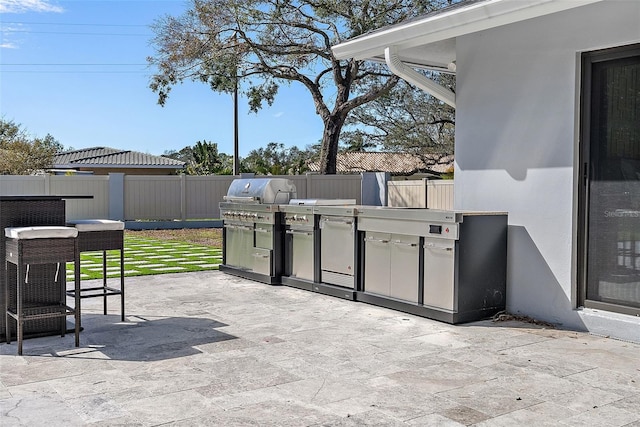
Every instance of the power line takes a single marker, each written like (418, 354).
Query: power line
(75, 33)
(70, 64)
(73, 24)
(74, 72)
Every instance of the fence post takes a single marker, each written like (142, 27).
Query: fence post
(374, 188)
(308, 183)
(116, 196)
(47, 184)
(183, 197)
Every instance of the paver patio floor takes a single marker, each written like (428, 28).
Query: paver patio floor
(207, 348)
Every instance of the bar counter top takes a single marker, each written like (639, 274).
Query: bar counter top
(36, 197)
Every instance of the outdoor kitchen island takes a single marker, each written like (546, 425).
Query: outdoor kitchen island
(445, 265)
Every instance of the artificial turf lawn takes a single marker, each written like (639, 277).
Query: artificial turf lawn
(145, 256)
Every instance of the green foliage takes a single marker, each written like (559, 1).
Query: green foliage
(203, 159)
(20, 154)
(184, 155)
(275, 159)
(448, 174)
(265, 43)
(357, 142)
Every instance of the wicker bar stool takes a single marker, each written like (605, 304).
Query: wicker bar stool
(101, 235)
(27, 246)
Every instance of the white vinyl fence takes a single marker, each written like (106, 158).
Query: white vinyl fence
(85, 185)
(420, 193)
(195, 198)
(164, 198)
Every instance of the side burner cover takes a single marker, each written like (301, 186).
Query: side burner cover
(322, 202)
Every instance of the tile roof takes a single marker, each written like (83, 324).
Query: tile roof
(105, 156)
(394, 163)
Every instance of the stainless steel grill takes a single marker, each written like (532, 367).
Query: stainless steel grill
(252, 237)
(261, 190)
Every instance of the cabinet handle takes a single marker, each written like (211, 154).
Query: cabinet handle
(371, 239)
(440, 248)
(238, 227)
(401, 243)
(306, 233)
(338, 221)
(262, 230)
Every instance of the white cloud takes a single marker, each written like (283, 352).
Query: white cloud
(278, 115)
(22, 6)
(9, 33)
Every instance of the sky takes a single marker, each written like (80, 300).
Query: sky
(77, 70)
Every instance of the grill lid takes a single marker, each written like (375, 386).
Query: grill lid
(261, 190)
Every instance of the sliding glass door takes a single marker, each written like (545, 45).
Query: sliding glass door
(610, 196)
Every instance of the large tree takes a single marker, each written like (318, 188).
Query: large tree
(265, 43)
(21, 154)
(405, 120)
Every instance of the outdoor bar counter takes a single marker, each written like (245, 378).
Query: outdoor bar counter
(23, 211)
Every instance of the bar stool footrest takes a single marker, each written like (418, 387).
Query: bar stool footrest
(95, 292)
(35, 312)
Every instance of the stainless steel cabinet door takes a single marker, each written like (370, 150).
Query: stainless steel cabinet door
(337, 245)
(439, 265)
(302, 254)
(405, 252)
(238, 245)
(377, 259)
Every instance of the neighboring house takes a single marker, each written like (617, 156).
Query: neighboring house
(547, 129)
(104, 160)
(398, 164)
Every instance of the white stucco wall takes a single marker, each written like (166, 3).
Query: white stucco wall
(516, 136)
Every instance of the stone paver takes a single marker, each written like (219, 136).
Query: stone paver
(208, 348)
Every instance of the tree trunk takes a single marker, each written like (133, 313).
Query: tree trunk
(330, 138)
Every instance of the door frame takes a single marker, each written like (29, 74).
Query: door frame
(588, 58)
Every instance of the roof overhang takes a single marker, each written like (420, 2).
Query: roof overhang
(430, 42)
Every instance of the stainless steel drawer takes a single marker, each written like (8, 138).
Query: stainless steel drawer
(261, 261)
(264, 236)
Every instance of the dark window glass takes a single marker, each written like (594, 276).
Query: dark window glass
(613, 211)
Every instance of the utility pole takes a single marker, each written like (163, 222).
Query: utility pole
(236, 156)
(236, 150)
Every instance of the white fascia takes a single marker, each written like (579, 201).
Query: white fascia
(457, 22)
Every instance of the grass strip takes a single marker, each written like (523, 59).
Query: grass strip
(148, 256)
